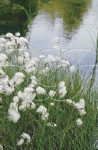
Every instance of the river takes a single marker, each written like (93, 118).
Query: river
(74, 22)
(78, 45)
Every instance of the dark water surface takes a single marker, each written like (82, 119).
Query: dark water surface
(15, 15)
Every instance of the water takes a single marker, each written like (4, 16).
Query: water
(75, 22)
(77, 39)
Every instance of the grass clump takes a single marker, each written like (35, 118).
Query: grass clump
(43, 101)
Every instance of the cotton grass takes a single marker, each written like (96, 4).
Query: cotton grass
(40, 98)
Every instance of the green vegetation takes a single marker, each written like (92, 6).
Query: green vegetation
(15, 15)
(59, 130)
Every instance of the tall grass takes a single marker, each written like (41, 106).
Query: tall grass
(66, 134)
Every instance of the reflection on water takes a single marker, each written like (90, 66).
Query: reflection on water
(77, 44)
(71, 11)
(75, 23)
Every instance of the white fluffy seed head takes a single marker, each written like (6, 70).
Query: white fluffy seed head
(41, 109)
(3, 57)
(79, 122)
(2, 40)
(20, 142)
(32, 105)
(26, 136)
(17, 34)
(69, 101)
(9, 35)
(50, 124)
(16, 99)
(52, 104)
(22, 41)
(62, 91)
(82, 112)
(61, 84)
(20, 94)
(23, 107)
(8, 90)
(72, 68)
(51, 93)
(80, 104)
(40, 90)
(65, 63)
(13, 115)
(50, 59)
(28, 90)
(18, 78)
(19, 75)
(57, 40)
(45, 116)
